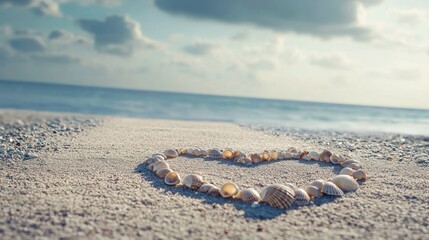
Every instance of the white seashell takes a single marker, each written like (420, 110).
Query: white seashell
(318, 183)
(197, 152)
(335, 159)
(288, 155)
(239, 157)
(292, 150)
(345, 183)
(249, 195)
(330, 188)
(256, 158)
(359, 175)
(172, 179)
(163, 172)
(274, 155)
(313, 191)
(193, 181)
(307, 158)
(348, 162)
(160, 165)
(281, 155)
(325, 156)
(303, 154)
(245, 160)
(301, 197)
(313, 156)
(291, 185)
(228, 190)
(189, 151)
(206, 187)
(153, 160)
(278, 196)
(204, 153)
(171, 153)
(228, 153)
(159, 155)
(347, 171)
(214, 191)
(215, 154)
(354, 166)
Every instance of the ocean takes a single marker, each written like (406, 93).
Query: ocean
(182, 106)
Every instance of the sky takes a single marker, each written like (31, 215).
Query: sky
(367, 52)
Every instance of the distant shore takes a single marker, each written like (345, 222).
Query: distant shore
(84, 184)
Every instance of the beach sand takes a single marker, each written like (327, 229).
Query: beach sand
(91, 188)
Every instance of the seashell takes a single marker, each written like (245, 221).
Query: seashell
(197, 152)
(249, 195)
(330, 188)
(246, 160)
(291, 185)
(278, 196)
(307, 158)
(256, 158)
(274, 155)
(189, 151)
(325, 156)
(335, 159)
(292, 150)
(345, 183)
(215, 154)
(160, 165)
(236, 154)
(228, 154)
(313, 156)
(239, 157)
(354, 166)
(281, 154)
(150, 166)
(206, 187)
(301, 197)
(303, 154)
(204, 153)
(161, 156)
(153, 160)
(318, 183)
(172, 179)
(359, 175)
(313, 191)
(214, 191)
(163, 172)
(288, 155)
(265, 156)
(171, 153)
(193, 181)
(181, 151)
(348, 162)
(228, 190)
(347, 171)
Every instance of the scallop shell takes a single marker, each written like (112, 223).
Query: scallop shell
(347, 171)
(291, 185)
(274, 155)
(206, 187)
(249, 195)
(345, 183)
(325, 156)
(228, 154)
(318, 183)
(348, 162)
(193, 181)
(245, 160)
(278, 196)
(301, 197)
(189, 151)
(153, 160)
(265, 156)
(303, 154)
(330, 188)
(292, 150)
(239, 157)
(172, 179)
(313, 156)
(359, 175)
(197, 152)
(160, 165)
(256, 158)
(335, 159)
(215, 154)
(228, 190)
(171, 153)
(160, 155)
(163, 172)
(214, 191)
(313, 191)
(204, 153)
(150, 166)
(354, 166)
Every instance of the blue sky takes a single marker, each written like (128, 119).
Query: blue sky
(346, 51)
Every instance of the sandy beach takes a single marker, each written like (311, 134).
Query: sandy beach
(92, 185)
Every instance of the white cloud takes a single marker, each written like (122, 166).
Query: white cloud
(333, 61)
(410, 16)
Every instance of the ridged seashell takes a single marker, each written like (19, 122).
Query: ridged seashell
(278, 196)
(160, 165)
(228, 190)
(197, 152)
(330, 188)
(153, 160)
(204, 153)
(354, 166)
(318, 183)
(301, 197)
(347, 171)
(239, 157)
(288, 155)
(171, 153)
(291, 185)
(335, 159)
(292, 150)
(313, 191)
(345, 183)
(172, 179)
(228, 154)
(206, 187)
(348, 162)
(281, 154)
(256, 158)
(163, 172)
(214, 191)
(159, 155)
(303, 154)
(325, 156)
(215, 154)
(313, 156)
(193, 181)
(265, 156)
(274, 155)
(249, 195)
(189, 151)
(245, 160)
(359, 175)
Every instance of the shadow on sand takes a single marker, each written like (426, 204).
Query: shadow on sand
(260, 212)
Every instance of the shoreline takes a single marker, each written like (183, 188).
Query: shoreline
(91, 188)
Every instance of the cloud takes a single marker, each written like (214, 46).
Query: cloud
(109, 3)
(199, 48)
(56, 59)
(47, 7)
(60, 34)
(410, 16)
(117, 35)
(333, 61)
(240, 36)
(262, 65)
(15, 2)
(324, 19)
(27, 44)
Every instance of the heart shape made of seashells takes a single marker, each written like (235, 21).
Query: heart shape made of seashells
(276, 195)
